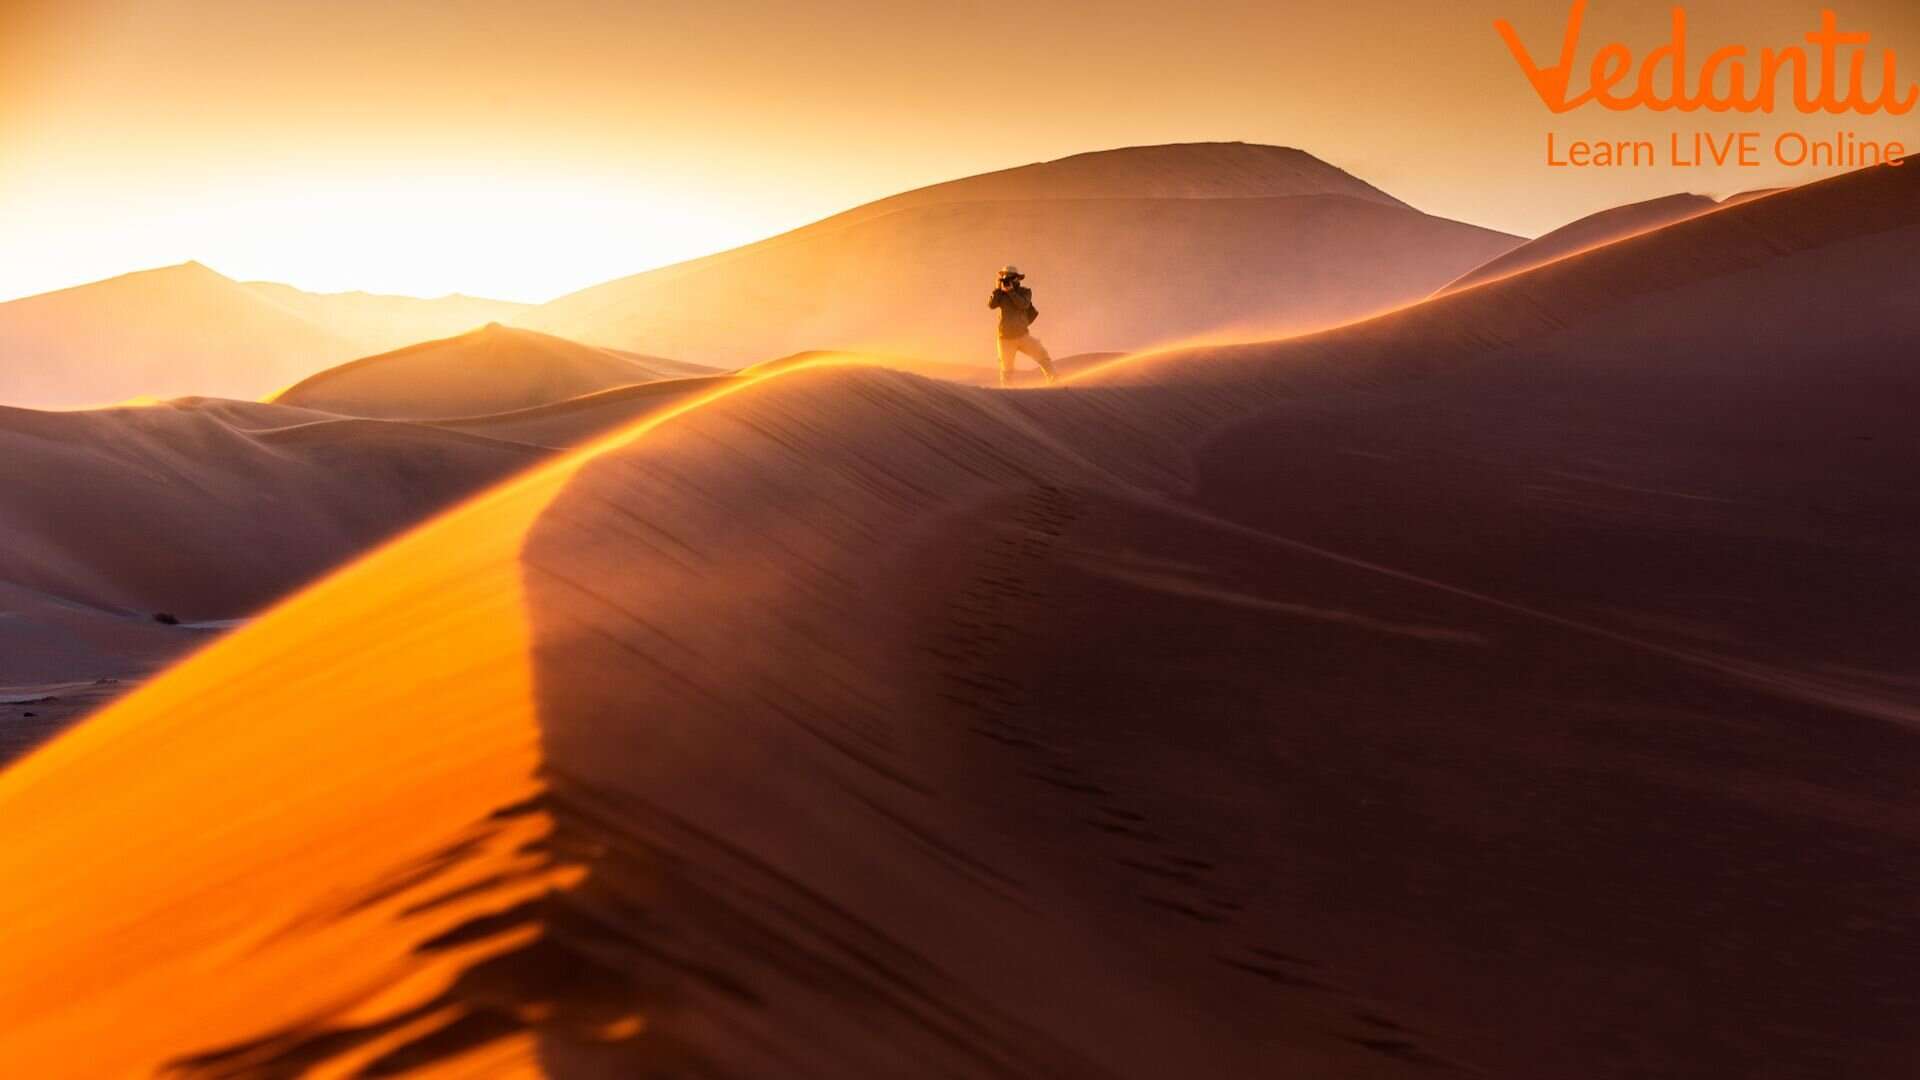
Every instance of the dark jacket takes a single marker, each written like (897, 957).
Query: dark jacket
(1016, 310)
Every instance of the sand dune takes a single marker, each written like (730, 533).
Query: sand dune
(1128, 248)
(1588, 232)
(189, 329)
(236, 503)
(1520, 684)
(490, 370)
(1172, 171)
(228, 517)
(578, 420)
(178, 330)
(380, 323)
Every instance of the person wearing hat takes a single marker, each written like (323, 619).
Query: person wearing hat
(1015, 304)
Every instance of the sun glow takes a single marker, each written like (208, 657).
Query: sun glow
(425, 233)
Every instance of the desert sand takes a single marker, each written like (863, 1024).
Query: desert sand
(1126, 249)
(1518, 684)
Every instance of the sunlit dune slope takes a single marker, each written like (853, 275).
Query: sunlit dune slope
(1588, 232)
(1518, 684)
(490, 370)
(1126, 248)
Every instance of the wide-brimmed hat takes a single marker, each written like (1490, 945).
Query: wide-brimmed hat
(1011, 271)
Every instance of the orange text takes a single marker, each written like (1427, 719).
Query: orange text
(1815, 78)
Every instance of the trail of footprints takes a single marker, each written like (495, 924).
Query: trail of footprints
(983, 625)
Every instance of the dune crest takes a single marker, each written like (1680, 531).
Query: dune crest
(1587, 233)
(494, 369)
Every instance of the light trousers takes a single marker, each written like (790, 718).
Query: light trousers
(1028, 344)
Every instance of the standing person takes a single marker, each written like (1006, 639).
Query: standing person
(1015, 303)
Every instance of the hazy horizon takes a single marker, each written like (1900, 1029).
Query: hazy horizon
(522, 154)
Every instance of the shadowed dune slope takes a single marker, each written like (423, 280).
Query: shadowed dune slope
(493, 369)
(1521, 683)
(1589, 232)
(244, 500)
(1126, 248)
(209, 510)
(46, 639)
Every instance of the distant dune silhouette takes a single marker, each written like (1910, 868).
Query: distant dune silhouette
(188, 329)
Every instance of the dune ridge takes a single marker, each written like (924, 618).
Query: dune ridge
(494, 369)
(1587, 233)
(865, 789)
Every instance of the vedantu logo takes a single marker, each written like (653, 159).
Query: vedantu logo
(1733, 78)
(1613, 63)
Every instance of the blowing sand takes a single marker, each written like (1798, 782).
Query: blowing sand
(1517, 684)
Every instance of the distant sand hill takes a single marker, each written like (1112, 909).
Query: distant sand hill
(1126, 248)
(188, 329)
(179, 330)
(1520, 684)
(490, 370)
(380, 323)
(1590, 232)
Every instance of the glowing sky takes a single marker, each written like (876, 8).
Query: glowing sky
(523, 150)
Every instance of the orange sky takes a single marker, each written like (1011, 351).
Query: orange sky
(526, 149)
